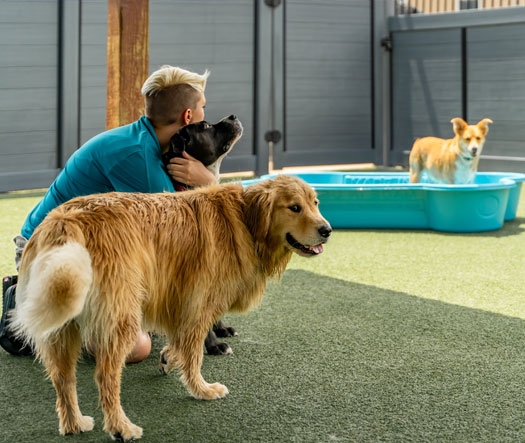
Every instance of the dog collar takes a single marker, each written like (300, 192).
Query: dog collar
(180, 187)
(467, 158)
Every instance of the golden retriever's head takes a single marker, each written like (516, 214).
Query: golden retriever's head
(471, 137)
(283, 213)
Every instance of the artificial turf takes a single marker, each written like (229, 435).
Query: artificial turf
(387, 336)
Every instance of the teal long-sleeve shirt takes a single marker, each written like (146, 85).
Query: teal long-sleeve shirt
(125, 159)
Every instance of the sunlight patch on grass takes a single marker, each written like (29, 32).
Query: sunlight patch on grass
(479, 270)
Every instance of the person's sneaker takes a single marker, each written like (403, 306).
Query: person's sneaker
(11, 344)
(10, 280)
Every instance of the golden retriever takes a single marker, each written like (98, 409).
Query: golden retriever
(451, 161)
(98, 267)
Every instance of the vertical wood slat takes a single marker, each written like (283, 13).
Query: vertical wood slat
(127, 60)
(430, 6)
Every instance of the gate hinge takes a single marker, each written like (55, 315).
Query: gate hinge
(386, 42)
(272, 3)
(273, 136)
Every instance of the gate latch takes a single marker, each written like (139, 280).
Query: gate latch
(386, 43)
(272, 3)
(273, 136)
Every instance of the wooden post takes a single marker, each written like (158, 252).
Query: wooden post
(127, 60)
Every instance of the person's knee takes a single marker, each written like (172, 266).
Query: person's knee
(141, 350)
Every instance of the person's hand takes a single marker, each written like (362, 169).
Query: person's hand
(190, 171)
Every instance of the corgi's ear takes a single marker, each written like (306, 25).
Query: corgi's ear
(459, 125)
(482, 125)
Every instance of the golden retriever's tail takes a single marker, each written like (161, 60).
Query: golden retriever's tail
(52, 291)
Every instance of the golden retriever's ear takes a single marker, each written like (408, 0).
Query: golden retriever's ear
(482, 125)
(258, 209)
(459, 125)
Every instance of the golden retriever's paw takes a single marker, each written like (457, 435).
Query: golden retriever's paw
(211, 392)
(130, 433)
(85, 424)
(220, 390)
(165, 363)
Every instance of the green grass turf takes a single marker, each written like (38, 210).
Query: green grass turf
(388, 336)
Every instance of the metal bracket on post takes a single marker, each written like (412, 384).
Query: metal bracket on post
(272, 3)
(273, 136)
(386, 43)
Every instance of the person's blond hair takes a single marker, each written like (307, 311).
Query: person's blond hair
(171, 90)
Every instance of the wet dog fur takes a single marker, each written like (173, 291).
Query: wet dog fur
(452, 161)
(100, 266)
(208, 143)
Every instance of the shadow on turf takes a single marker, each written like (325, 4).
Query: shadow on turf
(509, 228)
(321, 359)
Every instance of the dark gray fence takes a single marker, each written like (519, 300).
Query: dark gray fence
(219, 36)
(326, 83)
(53, 89)
(28, 93)
(310, 79)
(298, 70)
(468, 64)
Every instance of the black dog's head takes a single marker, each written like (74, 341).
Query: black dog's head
(206, 142)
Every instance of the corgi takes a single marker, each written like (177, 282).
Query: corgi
(452, 161)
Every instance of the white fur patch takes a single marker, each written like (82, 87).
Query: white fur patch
(465, 174)
(216, 165)
(38, 311)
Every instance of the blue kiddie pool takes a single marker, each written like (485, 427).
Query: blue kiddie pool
(388, 200)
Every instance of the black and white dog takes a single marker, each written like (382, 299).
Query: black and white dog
(206, 142)
(209, 144)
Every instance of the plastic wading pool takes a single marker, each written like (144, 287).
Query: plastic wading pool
(388, 200)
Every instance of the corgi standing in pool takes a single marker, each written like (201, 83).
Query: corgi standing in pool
(452, 161)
